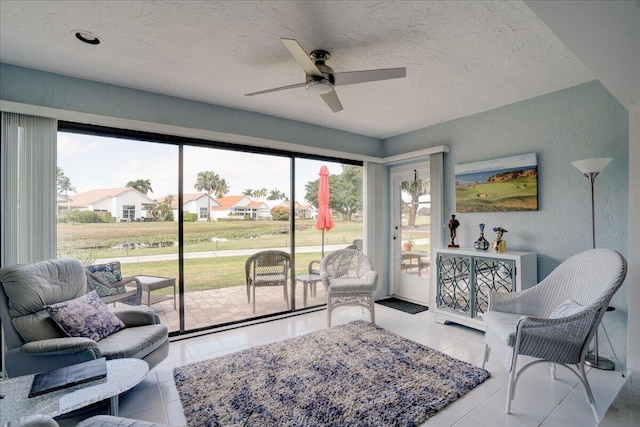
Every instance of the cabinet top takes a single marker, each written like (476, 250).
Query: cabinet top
(488, 254)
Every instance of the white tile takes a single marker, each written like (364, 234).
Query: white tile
(155, 414)
(140, 398)
(175, 414)
(539, 400)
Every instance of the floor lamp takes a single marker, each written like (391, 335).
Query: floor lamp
(591, 168)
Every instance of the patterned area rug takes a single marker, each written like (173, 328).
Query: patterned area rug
(356, 374)
(406, 306)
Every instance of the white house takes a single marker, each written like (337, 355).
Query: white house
(124, 204)
(192, 203)
(240, 207)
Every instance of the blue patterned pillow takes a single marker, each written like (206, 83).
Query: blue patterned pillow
(86, 316)
(109, 273)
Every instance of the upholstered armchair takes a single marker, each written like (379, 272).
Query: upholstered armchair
(554, 321)
(30, 294)
(349, 279)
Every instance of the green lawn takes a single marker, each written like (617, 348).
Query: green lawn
(89, 242)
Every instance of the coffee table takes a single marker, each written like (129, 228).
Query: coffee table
(152, 283)
(122, 375)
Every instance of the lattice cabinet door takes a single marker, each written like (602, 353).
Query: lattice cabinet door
(465, 277)
(455, 284)
(492, 275)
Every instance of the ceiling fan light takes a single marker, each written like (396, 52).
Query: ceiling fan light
(319, 87)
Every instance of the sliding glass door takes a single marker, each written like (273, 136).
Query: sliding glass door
(114, 207)
(197, 247)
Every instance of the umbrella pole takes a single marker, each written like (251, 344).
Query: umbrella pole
(323, 243)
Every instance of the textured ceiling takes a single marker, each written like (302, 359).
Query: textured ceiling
(461, 57)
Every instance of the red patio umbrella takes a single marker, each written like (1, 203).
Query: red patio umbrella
(325, 220)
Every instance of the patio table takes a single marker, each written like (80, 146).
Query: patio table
(308, 280)
(152, 283)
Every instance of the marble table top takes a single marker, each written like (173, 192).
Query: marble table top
(122, 375)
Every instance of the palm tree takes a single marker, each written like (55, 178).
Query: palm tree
(223, 188)
(64, 183)
(210, 182)
(142, 185)
(276, 194)
(261, 193)
(247, 192)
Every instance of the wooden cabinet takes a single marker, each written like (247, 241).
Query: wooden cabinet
(464, 278)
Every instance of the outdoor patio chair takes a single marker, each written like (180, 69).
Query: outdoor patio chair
(107, 281)
(267, 268)
(33, 294)
(555, 320)
(349, 279)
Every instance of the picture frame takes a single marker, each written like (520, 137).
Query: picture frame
(505, 184)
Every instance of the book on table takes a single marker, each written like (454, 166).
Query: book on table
(68, 376)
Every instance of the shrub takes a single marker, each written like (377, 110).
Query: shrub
(190, 217)
(280, 213)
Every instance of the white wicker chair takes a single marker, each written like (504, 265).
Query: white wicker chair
(555, 320)
(349, 279)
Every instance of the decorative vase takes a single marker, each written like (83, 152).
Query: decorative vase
(407, 247)
(481, 244)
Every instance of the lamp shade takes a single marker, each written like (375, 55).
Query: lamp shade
(591, 165)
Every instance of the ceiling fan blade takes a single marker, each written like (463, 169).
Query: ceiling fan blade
(276, 89)
(302, 57)
(352, 77)
(332, 100)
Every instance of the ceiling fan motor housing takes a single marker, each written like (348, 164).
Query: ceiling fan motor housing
(320, 84)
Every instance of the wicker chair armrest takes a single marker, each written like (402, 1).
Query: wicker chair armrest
(314, 267)
(560, 340)
(123, 282)
(371, 276)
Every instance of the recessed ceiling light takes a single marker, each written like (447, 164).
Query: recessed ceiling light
(86, 36)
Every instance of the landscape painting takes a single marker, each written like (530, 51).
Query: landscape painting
(498, 185)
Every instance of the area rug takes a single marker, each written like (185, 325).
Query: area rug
(406, 306)
(356, 374)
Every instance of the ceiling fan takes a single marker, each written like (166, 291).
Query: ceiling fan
(321, 79)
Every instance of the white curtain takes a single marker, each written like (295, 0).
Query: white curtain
(28, 201)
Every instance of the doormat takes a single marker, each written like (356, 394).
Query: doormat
(356, 375)
(406, 306)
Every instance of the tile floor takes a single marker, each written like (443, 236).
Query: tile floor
(539, 400)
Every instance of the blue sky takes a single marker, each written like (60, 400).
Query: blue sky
(93, 162)
(512, 162)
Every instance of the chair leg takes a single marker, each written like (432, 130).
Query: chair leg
(286, 295)
(485, 357)
(248, 294)
(254, 299)
(587, 391)
(372, 310)
(512, 383)
(329, 308)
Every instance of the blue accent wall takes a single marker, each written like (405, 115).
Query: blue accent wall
(41, 88)
(581, 122)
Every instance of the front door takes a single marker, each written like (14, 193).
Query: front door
(411, 216)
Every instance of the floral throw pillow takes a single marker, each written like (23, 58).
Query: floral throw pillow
(86, 316)
(109, 273)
